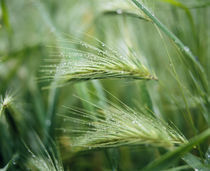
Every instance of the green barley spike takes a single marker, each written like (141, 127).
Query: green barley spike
(93, 62)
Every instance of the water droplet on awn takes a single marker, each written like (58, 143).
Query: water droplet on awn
(186, 49)
(119, 11)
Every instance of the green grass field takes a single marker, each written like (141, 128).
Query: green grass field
(99, 85)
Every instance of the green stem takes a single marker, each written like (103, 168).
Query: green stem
(160, 25)
(176, 40)
(170, 157)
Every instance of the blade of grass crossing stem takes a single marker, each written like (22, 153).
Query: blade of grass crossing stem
(176, 40)
(185, 167)
(122, 8)
(124, 13)
(195, 162)
(169, 158)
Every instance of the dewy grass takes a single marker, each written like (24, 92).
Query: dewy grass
(118, 7)
(176, 40)
(107, 125)
(42, 159)
(93, 62)
(162, 27)
(114, 126)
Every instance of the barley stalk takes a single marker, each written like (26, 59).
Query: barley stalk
(114, 126)
(93, 62)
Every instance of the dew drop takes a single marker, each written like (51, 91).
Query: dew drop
(119, 11)
(140, 125)
(134, 122)
(186, 49)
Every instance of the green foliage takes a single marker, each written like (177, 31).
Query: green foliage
(114, 126)
(93, 63)
(146, 64)
(168, 159)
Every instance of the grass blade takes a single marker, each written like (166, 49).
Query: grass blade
(194, 162)
(123, 8)
(169, 158)
(114, 126)
(176, 40)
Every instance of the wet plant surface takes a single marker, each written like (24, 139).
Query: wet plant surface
(104, 85)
